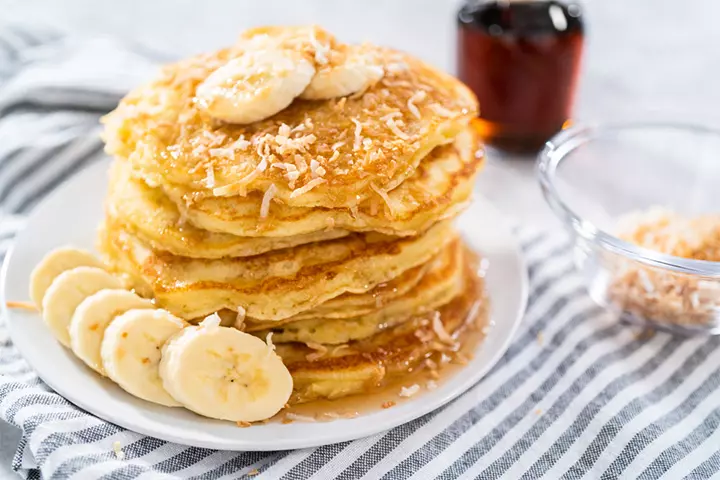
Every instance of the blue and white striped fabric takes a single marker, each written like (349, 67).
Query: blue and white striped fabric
(576, 395)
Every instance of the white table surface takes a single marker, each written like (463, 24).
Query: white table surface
(657, 59)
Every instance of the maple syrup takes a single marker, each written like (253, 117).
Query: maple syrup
(521, 58)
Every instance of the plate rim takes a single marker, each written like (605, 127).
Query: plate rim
(407, 412)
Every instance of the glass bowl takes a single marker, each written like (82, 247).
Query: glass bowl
(593, 176)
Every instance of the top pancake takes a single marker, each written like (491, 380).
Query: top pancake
(365, 143)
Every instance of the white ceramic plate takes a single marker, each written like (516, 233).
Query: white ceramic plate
(70, 215)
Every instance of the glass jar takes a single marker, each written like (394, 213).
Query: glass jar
(521, 58)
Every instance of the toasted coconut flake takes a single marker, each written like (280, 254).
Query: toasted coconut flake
(316, 169)
(358, 136)
(440, 331)
(431, 385)
(299, 418)
(320, 351)
(392, 124)
(239, 187)
(267, 198)
(284, 130)
(424, 335)
(418, 96)
(646, 283)
(228, 153)
(397, 67)
(21, 305)
(390, 116)
(254, 472)
(243, 424)
(440, 110)
(409, 391)
(240, 318)
(321, 50)
(397, 83)
(337, 145)
(386, 198)
(307, 187)
(300, 163)
(210, 179)
(270, 344)
(339, 349)
(388, 404)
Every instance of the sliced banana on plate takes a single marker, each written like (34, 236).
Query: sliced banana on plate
(131, 351)
(354, 74)
(55, 263)
(223, 373)
(255, 86)
(91, 318)
(67, 291)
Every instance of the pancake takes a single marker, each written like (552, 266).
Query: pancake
(437, 287)
(354, 304)
(363, 366)
(364, 143)
(149, 215)
(440, 188)
(272, 286)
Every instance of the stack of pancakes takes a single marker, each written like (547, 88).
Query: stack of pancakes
(327, 224)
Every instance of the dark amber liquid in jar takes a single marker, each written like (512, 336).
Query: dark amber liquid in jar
(521, 59)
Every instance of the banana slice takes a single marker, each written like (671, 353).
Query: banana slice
(255, 85)
(55, 263)
(223, 373)
(356, 73)
(130, 352)
(67, 291)
(92, 317)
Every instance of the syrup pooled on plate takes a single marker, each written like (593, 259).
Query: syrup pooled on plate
(424, 373)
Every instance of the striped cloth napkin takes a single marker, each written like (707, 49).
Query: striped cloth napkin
(577, 394)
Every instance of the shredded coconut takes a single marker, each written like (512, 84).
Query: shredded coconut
(299, 418)
(267, 197)
(337, 145)
(239, 187)
(409, 391)
(440, 110)
(240, 318)
(210, 179)
(300, 163)
(270, 344)
(418, 96)
(431, 385)
(316, 169)
(321, 50)
(292, 178)
(386, 198)
(396, 130)
(22, 305)
(440, 331)
(358, 137)
(307, 187)
(390, 116)
(228, 153)
(396, 67)
(320, 351)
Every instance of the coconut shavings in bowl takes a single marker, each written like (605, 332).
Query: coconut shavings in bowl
(659, 295)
